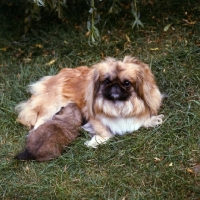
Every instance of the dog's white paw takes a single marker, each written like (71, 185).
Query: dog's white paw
(95, 141)
(157, 120)
(154, 121)
(89, 144)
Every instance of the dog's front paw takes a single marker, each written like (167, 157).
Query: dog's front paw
(154, 121)
(95, 141)
(89, 144)
(157, 120)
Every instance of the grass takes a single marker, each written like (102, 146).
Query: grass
(148, 164)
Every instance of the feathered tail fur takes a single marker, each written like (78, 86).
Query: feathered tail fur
(46, 100)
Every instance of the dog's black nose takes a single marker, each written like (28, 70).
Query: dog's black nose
(115, 91)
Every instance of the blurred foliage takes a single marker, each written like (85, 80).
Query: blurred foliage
(92, 14)
(94, 18)
(61, 7)
(36, 9)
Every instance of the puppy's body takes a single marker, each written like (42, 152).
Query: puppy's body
(49, 140)
(114, 96)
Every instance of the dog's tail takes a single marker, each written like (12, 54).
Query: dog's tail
(28, 110)
(46, 100)
(25, 155)
(27, 116)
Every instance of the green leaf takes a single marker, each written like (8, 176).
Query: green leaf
(88, 25)
(167, 28)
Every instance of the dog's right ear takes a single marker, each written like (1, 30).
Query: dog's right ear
(92, 90)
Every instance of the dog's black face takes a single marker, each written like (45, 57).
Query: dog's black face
(115, 90)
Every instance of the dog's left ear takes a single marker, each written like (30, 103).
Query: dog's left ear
(145, 85)
(147, 89)
(92, 90)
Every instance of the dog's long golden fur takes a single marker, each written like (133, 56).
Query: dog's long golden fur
(136, 105)
(51, 93)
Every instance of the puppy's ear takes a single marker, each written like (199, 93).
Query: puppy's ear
(92, 90)
(147, 89)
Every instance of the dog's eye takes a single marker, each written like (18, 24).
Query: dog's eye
(106, 81)
(127, 83)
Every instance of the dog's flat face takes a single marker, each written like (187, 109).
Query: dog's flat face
(115, 90)
(121, 83)
(124, 88)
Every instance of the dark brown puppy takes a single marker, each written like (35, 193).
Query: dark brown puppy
(49, 139)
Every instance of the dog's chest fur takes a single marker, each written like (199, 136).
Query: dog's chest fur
(120, 126)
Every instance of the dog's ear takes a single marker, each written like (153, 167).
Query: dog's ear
(147, 89)
(145, 85)
(92, 90)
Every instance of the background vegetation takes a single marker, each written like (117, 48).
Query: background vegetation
(159, 163)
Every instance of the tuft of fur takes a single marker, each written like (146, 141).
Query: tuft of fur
(25, 155)
(50, 139)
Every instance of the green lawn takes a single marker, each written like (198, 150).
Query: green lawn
(148, 164)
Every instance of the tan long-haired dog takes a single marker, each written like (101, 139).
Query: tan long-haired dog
(114, 96)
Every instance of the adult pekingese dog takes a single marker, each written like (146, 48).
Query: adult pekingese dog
(115, 97)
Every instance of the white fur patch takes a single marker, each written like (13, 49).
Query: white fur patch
(121, 126)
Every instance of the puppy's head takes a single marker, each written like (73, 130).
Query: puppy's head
(70, 114)
(122, 89)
